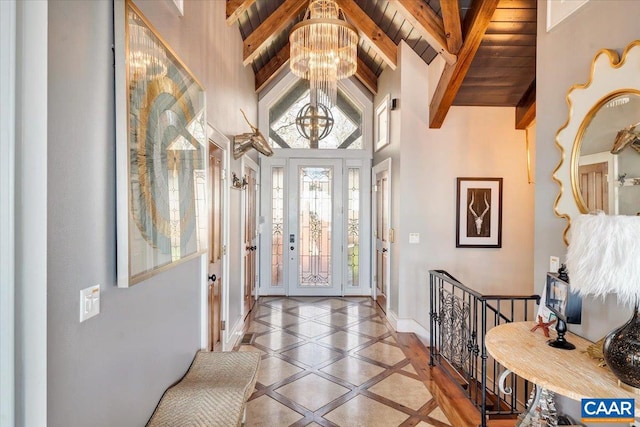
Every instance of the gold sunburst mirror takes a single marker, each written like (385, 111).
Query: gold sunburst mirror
(600, 142)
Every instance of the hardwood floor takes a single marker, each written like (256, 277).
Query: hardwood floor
(336, 362)
(455, 405)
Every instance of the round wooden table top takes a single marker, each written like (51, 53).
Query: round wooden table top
(571, 373)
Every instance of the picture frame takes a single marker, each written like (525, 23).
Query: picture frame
(161, 152)
(479, 213)
(178, 6)
(558, 11)
(381, 124)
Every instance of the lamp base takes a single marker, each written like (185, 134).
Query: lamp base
(621, 351)
(561, 342)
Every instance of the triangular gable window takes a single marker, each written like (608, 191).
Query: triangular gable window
(283, 133)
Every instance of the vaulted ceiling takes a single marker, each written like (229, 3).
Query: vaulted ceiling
(489, 46)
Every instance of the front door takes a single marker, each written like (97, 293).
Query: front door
(315, 237)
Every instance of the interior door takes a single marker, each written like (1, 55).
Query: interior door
(315, 227)
(382, 234)
(594, 186)
(215, 270)
(250, 237)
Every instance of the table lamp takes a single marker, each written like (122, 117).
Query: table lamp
(603, 258)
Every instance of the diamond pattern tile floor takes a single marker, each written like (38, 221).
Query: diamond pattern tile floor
(329, 361)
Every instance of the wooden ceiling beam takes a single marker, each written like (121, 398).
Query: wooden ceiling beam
(369, 30)
(270, 28)
(367, 77)
(526, 108)
(452, 25)
(235, 8)
(272, 68)
(427, 23)
(453, 75)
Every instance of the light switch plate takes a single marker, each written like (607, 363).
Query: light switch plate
(89, 302)
(554, 264)
(414, 238)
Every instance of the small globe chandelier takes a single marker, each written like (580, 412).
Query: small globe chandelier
(324, 49)
(314, 123)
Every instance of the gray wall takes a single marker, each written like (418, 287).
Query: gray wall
(389, 83)
(564, 58)
(112, 369)
(474, 141)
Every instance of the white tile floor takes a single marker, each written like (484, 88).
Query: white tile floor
(333, 362)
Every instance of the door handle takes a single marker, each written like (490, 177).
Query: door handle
(213, 278)
(253, 248)
(292, 248)
(385, 250)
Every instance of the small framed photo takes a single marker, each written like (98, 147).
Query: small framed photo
(178, 6)
(479, 213)
(558, 11)
(381, 134)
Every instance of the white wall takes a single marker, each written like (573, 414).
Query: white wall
(31, 215)
(473, 142)
(112, 369)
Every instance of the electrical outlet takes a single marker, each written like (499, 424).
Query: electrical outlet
(89, 302)
(414, 238)
(554, 264)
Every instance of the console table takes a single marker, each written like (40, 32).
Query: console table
(570, 373)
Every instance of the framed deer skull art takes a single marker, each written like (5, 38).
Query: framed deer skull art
(479, 213)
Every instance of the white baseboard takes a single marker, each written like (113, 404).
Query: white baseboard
(393, 319)
(233, 335)
(410, 325)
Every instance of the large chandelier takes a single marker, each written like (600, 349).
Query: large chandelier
(323, 50)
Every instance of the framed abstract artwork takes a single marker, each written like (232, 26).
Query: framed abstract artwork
(479, 213)
(161, 152)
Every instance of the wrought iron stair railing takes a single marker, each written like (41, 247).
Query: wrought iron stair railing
(459, 320)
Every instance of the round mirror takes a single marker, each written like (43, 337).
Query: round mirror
(605, 160)
(602, 113)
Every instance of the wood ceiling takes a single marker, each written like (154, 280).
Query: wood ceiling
(489, 46)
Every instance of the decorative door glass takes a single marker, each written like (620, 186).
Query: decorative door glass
(353, 225)
(277, 226)
(315, 226)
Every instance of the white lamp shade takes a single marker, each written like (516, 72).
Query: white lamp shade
(604, 256)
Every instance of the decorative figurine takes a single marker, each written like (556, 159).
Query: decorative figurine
(544, 325)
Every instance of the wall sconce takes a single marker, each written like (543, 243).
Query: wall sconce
(236, 183)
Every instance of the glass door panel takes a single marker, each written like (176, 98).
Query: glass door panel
(315, 232)
(315, 226)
